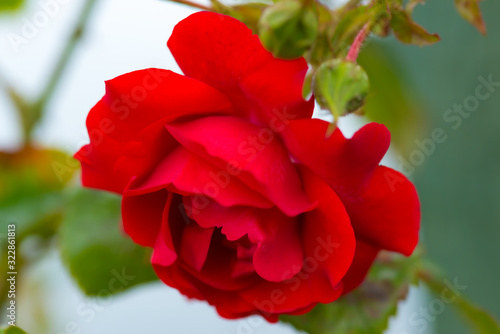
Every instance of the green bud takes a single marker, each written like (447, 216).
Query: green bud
(288, 28)
(340, 86)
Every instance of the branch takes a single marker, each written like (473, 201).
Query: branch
(66, 55)
(358, 43)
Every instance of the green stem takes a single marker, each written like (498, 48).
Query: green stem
(352, 56)
(65, 57)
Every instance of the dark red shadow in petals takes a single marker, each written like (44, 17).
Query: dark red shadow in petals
(288, 296)
(279, 256)
(217, 271)
(177, 278)
(142, 216)
(222, 52)
(235, 221)
(328, 236)
(195, 245)
(363, 259)
(168, 242)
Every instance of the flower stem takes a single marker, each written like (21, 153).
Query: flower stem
(66, 55)
(358, 43)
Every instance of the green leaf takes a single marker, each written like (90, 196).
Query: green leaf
(11, 330)
(391, 101)
(340, 86)
(10, 5)
(367, 309)
(470, 11)
(479, 320)
(30, 189)
(407, 31)
(99, 255)
(289, 28)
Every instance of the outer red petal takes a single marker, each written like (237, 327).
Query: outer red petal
(346, 164)
(224, 53)
(142, 216)
(126, 127)
(386, 213)
(382, 204)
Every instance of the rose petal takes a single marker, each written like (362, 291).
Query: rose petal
(346, 164)
(195, 245)
(142, 216)
(363, 259)
(386, 213)
(217, 272)
(235, 221)
(289, 296)
(280, 255)
(263, 163)
(190, 174)
(143, 100)
(383, 204)
(328, 236)
(222, 52)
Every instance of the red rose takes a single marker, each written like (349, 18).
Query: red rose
(246, 202)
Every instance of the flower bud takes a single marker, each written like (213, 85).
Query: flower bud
(340, 86)
(288, 28)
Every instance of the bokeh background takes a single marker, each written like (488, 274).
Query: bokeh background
(414, 87)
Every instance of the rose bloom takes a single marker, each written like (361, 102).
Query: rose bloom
(245, 200)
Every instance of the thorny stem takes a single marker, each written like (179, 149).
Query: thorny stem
(358, 43)
(66, 55)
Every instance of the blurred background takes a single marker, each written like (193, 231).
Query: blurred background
(415, 92)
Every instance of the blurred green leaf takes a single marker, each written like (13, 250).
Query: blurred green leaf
(367, 309)
(101, 258)
(248, 13)
(389, 101)
(470, 11)
(407, 31)
(479, 320)
(9, 5)
(289, 28)
(30, 189)
(11, 330)
(340, 86)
